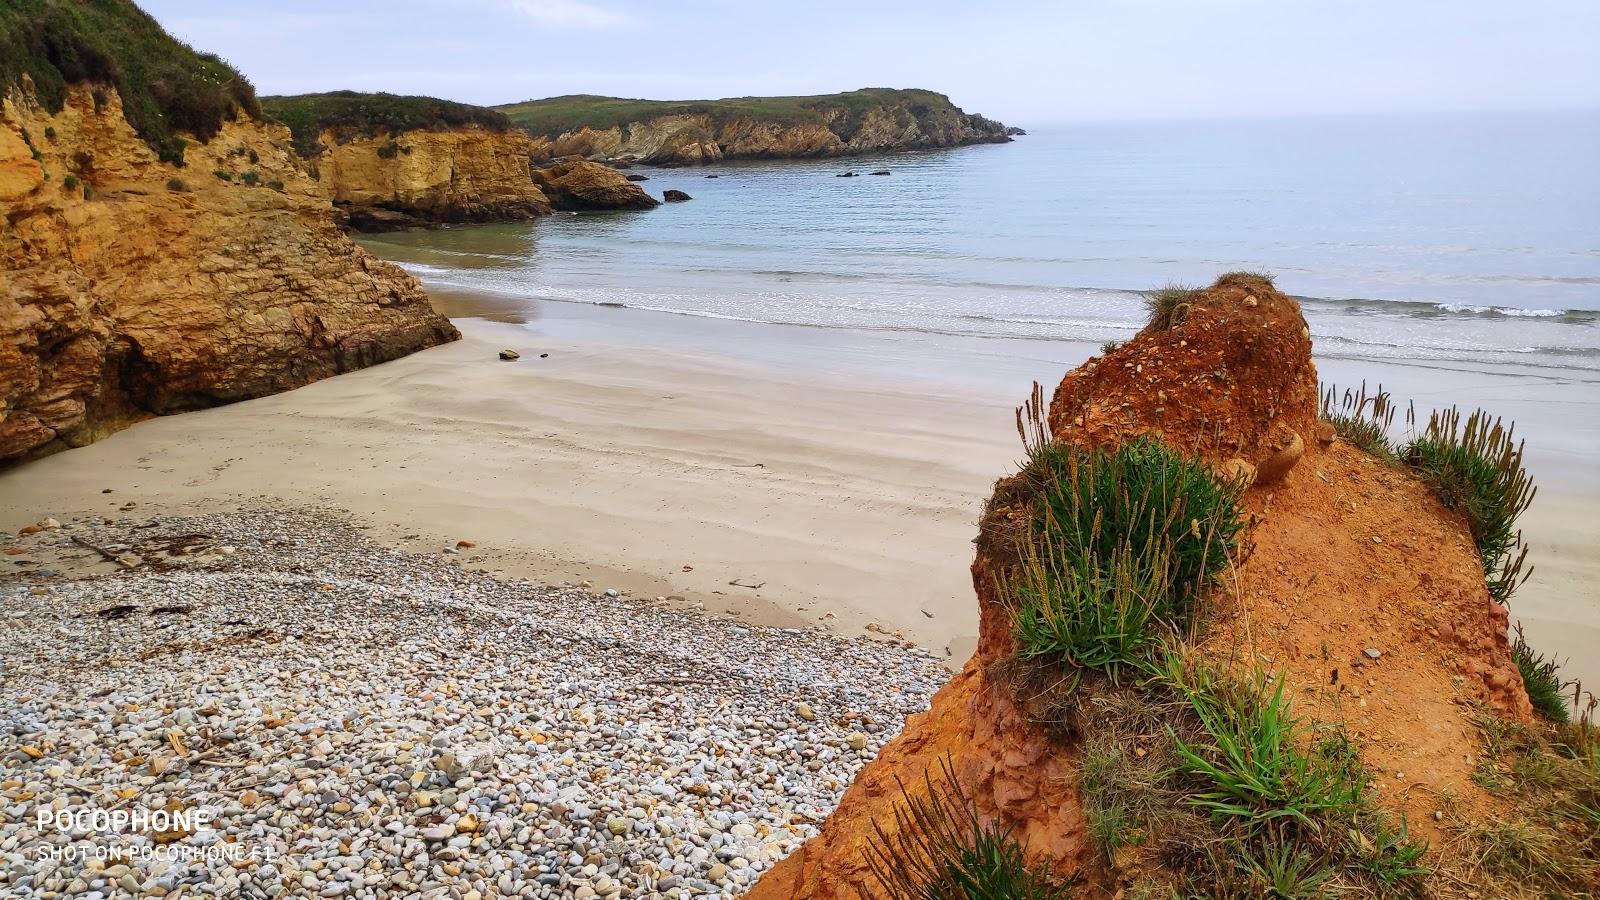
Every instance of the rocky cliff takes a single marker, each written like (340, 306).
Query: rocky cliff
(688, 133)
(131, 287)
(1352, 587)
(390, 161)
(426, 177)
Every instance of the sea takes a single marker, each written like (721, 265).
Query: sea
(1470, 238)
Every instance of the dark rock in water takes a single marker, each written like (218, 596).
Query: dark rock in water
(846, 175)
(619, 164)
(1014, 130)
(675, 196)
(713, 176)
(510, 355)
(637, 177)
(881, 172)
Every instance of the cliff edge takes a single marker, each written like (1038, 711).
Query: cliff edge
(1331, 699)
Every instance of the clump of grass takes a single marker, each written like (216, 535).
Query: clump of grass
(70, 182)
(1362, 419)
(389, 150)
(1121, 544)
(941, 849)
(177, 185)
(1550, 845)
(1110, 347)
(1169, 305)
(1541, 675)
(1476, 467)
(251, 177)
(222, 175)
(1254, 755)
(1212, 787)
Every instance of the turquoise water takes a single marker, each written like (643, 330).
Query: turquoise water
(1473, 238)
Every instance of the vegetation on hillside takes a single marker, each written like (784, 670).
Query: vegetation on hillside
(353, 114)
(166, 86)
(558, 115)
(939, 848)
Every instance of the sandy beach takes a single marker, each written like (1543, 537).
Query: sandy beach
(795, 476)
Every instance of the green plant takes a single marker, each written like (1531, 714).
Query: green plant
(389, 150)
(70, 182)
(940, 849)
(275, 184)
(254, 157)
(1285, 870)
(1121, 543)
(1110, 347)
(1360, 418)
(171, 150)
(222, 175)
(49, 133)
(1541, 676)
(88, 192)
(177, 185)
(1253, 755)
(1476, 467)
(251, 177)
(351, 114)
(165, 86)
(1169, 305)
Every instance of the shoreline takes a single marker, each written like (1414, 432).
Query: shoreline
(788, 476)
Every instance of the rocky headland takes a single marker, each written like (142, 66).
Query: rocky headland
(871, 120)
(134, 286)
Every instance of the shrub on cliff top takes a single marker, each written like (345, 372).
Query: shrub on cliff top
(939, 849)
(1476, 467)
(1169, 305)
(1360, 418)
(165, 85)
(1122, 543)
(353, 114)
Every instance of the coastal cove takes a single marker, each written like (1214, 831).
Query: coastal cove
(839, 472)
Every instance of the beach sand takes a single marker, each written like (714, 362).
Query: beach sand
(785, 475)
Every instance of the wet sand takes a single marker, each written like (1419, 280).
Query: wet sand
(787, 475)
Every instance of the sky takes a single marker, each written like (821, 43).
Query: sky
(1024, 62)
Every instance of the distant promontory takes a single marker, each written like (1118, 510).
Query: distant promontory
(666, 132)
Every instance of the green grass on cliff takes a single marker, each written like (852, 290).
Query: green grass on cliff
(352, 114)
(165, 85)
(557, 115)
(1122, 543)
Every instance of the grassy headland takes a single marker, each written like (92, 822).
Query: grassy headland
(557, 115)
(357, 114)
(166, 86)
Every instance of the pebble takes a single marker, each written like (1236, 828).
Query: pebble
(386, 724)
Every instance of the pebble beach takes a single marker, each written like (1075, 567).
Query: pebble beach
(357, 721)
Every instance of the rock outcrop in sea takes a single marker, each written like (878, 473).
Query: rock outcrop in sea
(1352, 584)
(133, 287)
(578, 185)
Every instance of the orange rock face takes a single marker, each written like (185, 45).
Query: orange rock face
(422, 176)
(579, 185)
(1345, 553)
(162, 289)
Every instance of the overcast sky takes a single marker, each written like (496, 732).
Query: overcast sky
(1022, 61)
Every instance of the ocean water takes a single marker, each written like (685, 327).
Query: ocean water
(1472, 238)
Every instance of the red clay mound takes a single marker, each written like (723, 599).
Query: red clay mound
(1345, 554)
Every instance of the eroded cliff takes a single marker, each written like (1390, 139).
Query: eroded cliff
(1352, 587)
(132, 287)
(429, 177)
